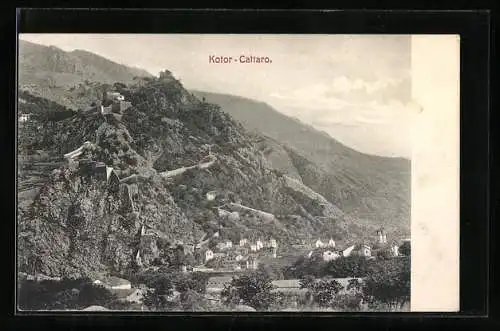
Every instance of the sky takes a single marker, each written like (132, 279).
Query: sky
(356, 88)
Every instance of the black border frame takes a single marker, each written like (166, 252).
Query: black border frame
(474, 28)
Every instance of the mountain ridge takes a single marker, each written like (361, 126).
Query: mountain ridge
(168, 128)
(234, 97)
(364, 177)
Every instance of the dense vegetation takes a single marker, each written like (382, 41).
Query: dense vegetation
(352, 266)
(385, 285)
(253, 289)
(65, 294)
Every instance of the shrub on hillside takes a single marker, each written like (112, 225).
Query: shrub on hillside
(64, 294)
(352, 266)
(389, 283)
(253, 289)
(405, 249)
(160, 288)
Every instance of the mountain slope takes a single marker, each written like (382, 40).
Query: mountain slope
(365, 186)
(50, 72)
(40, 64)
(79, 224)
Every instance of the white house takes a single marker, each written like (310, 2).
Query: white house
(252, 263)
(395, 250)
(253, 248)
(347, 252)
(273, 243)
(209, 255)
(114, 283)
(319, 244)
(23, 118)
(259, 245)
(229, 244)
(211, 195)
(382, 237)
(331, 243)
(330, 255)
(243, 242)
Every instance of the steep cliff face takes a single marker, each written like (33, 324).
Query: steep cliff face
(169, 150)
(80, 223)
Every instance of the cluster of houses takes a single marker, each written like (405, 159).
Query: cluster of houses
(329, 251)
(23, 118)
(243, 254)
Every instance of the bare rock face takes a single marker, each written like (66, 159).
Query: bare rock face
(78, 227)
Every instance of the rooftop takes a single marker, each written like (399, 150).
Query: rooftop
(287, 283)
(218, 281)
(95, 308)
(114, 281)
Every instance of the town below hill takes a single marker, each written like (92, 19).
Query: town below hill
(139, 195)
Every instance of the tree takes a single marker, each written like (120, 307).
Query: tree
(157, 296)
(196, 282)
(91, 294)
(49, 294)
(307, 282)
(383, 254)
(405, 248)
(388, 283)
(253, 289)
(323, 291)
(199, 281)
(354, 285)
(274, 271)
(193, 301)
(352, 266)
(214, 263)
(303, 266)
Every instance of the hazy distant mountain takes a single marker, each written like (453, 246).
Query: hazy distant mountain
(50, 72)
(370, 187)
(49, 64)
